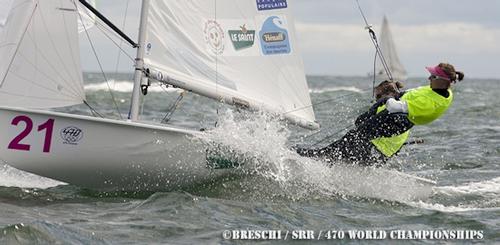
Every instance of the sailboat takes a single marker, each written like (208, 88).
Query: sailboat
(242, 53)
(388, 48)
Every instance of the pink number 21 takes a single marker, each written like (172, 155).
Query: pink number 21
(48, 126)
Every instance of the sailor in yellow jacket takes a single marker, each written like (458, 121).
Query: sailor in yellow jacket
(382, 131)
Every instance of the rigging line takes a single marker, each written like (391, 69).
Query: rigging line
(323, 129)
(107, 22)
(121, 41)
(105, 27)
(92, 110)
(325, 101)
(105, 32)
(102, 70)
(331, 135)
(374, 75)
(216, 58)
(172, 109)
(19, 45)
(217, 73)
(373, 38)
(380, 54)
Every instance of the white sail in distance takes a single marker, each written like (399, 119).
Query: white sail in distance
(40, 66)
(388, 48)
(241, 52)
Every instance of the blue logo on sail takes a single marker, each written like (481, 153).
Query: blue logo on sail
(273, 38)
(271, 4)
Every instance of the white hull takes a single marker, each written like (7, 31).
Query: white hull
(102, 154)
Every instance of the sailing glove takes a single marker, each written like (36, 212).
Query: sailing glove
(396, 106)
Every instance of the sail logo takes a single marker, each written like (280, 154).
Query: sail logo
(71, 135)
(274, 37)
(242, 38)
(271, 4)
(214, 36)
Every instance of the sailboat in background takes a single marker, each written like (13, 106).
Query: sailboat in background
(388, 48)
(243, 53)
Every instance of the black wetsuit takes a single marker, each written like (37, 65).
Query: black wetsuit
(355, 146)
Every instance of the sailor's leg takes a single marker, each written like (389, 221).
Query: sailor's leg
(330, 151)
(345, 148)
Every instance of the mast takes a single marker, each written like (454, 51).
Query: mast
(139, 63)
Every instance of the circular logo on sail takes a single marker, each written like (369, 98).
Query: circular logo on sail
(214, 36)
(71, 135)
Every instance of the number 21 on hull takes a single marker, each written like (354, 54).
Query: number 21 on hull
(24, 124)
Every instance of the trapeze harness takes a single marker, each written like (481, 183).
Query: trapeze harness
(379, 134)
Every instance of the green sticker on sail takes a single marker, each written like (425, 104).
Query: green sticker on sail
(242, 38)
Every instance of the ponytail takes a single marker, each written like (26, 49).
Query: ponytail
(459, 76)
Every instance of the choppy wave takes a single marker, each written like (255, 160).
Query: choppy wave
(473, 196)
(450, 208)
(45, 233)
(126, 87)
(488, 188)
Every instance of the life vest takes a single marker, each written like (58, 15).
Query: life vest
(425, 105)
(390, 145)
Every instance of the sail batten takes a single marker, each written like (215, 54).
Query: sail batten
(229, 50)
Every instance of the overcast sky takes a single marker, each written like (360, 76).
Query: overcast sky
(331, 33)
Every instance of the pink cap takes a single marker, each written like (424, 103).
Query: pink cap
(437, 71)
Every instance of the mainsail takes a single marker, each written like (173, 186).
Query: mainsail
(391, 56)
(241, 52)
(39, 47)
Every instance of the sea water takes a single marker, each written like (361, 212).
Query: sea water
(279, 191)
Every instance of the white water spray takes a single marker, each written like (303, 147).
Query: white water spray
(262, 141)
(11, 177)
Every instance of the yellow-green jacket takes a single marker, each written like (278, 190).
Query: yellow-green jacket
(424, 106)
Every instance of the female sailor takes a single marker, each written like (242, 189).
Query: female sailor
(382, 131)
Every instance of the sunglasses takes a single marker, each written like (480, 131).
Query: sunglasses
(434, 77)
